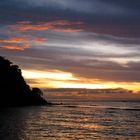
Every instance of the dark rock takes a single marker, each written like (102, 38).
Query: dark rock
(13, 89)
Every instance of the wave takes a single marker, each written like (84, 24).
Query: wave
(127, 109)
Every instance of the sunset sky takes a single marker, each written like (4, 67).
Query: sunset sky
(73, 43)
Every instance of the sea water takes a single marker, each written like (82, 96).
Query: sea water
(74, 120)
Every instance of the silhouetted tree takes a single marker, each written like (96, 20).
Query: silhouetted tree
(37, 91)
(13, 89)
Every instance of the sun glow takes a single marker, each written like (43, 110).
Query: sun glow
(59, 79)
(30, 74)
(88, 86)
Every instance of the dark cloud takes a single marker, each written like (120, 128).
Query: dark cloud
(86, 67)
(113, 17)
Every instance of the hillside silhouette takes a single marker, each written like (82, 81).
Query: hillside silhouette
(13, 89)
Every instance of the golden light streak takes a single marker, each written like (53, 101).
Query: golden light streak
(47, 75)
(59, 79)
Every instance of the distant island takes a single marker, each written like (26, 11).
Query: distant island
(13, 89)
(89, 91)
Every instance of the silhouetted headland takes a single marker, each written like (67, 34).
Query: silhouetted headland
(13, 89)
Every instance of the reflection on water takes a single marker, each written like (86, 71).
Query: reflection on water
(90, 121)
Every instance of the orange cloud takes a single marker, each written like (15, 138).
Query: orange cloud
(39, 40)
(14, 40)
(70, 30)
(20, 43)
(15, 47)
(60, 25)
(24, 41)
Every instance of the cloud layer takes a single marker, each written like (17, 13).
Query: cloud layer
(95, 40)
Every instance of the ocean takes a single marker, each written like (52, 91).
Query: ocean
(73, 120)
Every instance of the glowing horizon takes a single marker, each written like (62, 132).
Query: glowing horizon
(59, 79)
